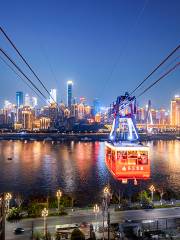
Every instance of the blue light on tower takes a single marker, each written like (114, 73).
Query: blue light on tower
(96, 106)
(69, 93)
(19, 99)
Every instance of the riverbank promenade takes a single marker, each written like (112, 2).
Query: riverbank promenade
(166, 218)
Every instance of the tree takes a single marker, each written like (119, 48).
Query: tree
(37, 236)
(125, 203)
(115, 198)
(66, 201)
(19, 200)
(77, 235)
(47, 237)
(144, 198)
(34, 210)
(170, 194)
(14, 215)
(161, 194)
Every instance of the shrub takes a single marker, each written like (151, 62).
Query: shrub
(77, 235)
(14, 215)
(37, 236)
(144, 198)
(34, 210)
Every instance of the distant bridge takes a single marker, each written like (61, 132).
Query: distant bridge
(143, 126)
(158, 126)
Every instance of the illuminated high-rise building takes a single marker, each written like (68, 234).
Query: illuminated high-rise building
(96, 106)
(45, 122)
(34, 102)
(175, 111)
(98, 118)
(8, 105)
(19, 99)
(81, 111)
(153, 114)
(53, 97)
(69, 93)
(53, 114)
(27, 118)
(27, 100)
(87, 110)
(74, 110)
(162, 116)
(82, 100)
(141, 113)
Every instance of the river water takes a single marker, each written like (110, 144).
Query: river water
(78, 168)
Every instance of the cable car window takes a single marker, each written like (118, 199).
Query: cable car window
(143, 158)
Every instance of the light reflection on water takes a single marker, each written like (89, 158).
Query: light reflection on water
(78, 168)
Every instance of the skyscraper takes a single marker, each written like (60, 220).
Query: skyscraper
(96, 106)
(175, 111)
(34, 102)
(53, 97)
(27, 117)
(27, 100)
(69, 93)
(19, 99)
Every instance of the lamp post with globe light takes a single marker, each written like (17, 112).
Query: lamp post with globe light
(96, 211)
(105, 210)
(44, 215)
(152, 189)
(58, 195)
(8, 197)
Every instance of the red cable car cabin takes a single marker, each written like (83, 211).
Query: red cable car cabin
(129, 161)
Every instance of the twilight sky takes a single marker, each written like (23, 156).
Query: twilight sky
(105, 46)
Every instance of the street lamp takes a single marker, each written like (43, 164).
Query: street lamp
(8, 197)
(161, 195)
(152, 189)
(96, 211)
(44, 215)
(58, 195)
(106, 192)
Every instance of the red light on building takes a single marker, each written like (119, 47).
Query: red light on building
(128, 162)
(82, 99)
(90, 120)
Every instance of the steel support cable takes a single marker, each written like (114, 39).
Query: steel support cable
(19, 69)
(25, 61)
(170, 64)
(162, 62)
(164, 75)
(21, 78)
(125, 45)
(49, 63)
(122, 106)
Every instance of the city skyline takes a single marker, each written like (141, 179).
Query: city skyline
(58, 53)
(28, 115)
(33, 101)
